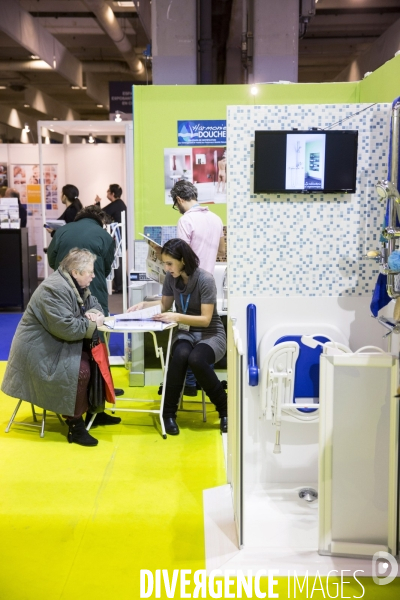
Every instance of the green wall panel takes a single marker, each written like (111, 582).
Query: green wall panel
(158, 108)
(383, 85)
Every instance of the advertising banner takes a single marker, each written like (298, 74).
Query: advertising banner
(26, 180)
(121, 99)
(204, 167)
(201, 133)
(3, 174)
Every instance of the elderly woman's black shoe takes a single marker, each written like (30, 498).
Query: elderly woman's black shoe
(77, 433)
(223, 425)
(171, 426)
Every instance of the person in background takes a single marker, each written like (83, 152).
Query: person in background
(114, 210)
(86, 232)
(70, 198)
(23, 214)
(199, 340)
(203, 231)
(49, 358)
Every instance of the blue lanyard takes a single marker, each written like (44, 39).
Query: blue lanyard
(183, 305)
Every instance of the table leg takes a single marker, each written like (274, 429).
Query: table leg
(165, 384)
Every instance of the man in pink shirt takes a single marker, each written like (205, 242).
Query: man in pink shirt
(199, 227)
(203, 231)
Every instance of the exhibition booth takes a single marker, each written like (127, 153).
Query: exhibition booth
(309, 488)
(301, 261)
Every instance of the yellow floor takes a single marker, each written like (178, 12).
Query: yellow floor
(80, 523)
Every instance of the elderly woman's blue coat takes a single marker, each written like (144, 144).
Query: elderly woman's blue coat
(44, 361)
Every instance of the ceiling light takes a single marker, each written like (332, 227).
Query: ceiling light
(35, 57)
(126, 3)
(117, 117)
(3, 87)
(99, 105)
(254, 90)
(26, 128)
(27, 105)
(91, 139)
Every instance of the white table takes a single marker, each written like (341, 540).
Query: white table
(164, 367)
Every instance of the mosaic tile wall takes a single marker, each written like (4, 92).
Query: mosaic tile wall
(298, 245)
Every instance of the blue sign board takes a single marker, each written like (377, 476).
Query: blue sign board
(201, 133)
(120, 96)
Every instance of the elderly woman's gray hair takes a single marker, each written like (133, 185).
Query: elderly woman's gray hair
(78, 259)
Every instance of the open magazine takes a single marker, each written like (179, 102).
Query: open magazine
(139, 319)
(154, 265)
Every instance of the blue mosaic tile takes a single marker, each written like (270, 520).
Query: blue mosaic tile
(305, 246)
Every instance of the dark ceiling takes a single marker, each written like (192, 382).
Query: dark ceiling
(341, 31)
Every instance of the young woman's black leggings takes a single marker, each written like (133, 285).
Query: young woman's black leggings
(198, 358)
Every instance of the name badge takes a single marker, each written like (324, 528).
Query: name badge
(183, 327)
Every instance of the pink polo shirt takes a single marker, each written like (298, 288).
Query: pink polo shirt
(202, 230)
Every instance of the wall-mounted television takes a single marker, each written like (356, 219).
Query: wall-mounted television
(321, 162)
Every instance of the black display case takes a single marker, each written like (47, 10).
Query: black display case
(18, 268)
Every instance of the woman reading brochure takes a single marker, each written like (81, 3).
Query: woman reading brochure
(199, 340)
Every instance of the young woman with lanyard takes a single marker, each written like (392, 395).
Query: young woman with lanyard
(199, 340)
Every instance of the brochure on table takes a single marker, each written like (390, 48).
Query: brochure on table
(138, 320)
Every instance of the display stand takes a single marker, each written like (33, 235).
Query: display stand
(164, 367)
(358, 452)
(118, 233)
(18, 268)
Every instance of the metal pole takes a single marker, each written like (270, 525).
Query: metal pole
(42, 197)
(205, 42)
(394, 168)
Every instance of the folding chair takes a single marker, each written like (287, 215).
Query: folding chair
(36, 424)
(203, 400)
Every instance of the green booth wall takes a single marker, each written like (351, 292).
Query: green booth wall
(158, 108)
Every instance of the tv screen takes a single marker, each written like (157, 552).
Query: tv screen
(305, 161)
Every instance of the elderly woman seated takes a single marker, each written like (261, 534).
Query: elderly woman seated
(49, 358)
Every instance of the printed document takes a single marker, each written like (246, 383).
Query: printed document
(138, 319)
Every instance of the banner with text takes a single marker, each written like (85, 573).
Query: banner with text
(201, 133)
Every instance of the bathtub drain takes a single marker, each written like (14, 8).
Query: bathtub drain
(308, 494)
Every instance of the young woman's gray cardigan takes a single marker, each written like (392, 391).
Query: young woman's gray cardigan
(44, 361)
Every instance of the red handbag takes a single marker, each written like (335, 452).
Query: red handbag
(100, 355)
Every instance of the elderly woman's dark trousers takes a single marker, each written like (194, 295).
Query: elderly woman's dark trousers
(198, 358)
(81, 404)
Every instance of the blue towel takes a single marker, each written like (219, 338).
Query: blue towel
(394, 261)
(380, 297)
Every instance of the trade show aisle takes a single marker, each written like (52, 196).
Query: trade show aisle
(81, 522)
(8, 325)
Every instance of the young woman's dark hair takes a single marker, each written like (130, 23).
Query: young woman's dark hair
(72, 193)
(115, 189)
(179, 249)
